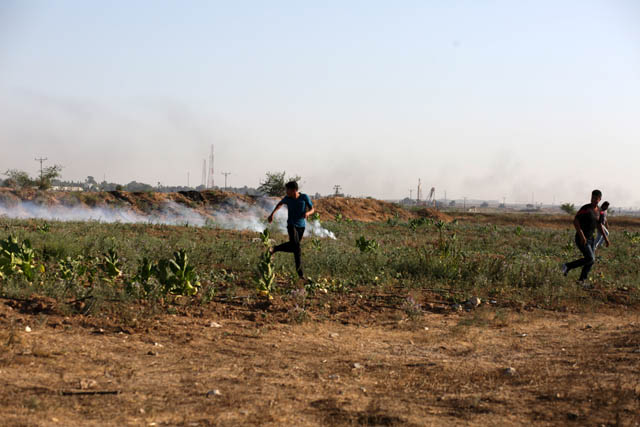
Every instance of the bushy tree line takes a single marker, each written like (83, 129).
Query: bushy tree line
(21, 179)
(273, 184)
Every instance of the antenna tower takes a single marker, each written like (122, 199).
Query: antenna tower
(204, 173)
(210, 181)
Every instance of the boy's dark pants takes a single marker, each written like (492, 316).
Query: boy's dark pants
(589, 252)
(293, 245)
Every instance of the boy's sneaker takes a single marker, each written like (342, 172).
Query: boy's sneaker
(586, 284)
(565, 270)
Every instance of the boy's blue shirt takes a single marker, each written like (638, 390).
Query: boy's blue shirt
(297, 208)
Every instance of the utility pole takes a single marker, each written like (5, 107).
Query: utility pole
(226, 174)
(41, 160)
(411, 193)
(337, 188)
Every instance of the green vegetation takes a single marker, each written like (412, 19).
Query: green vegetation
(17, 257)
(569, 208)
(129, 262)
(366, 245)
(20, 179)
(176, 275)
(633, 238)
(265, 275)
(274, 183)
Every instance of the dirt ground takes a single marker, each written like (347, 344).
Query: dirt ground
(350, 363)
(369, 210)
(554, 221)
(234, 366)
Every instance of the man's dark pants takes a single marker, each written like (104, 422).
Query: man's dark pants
(589, 251)
(293, 245)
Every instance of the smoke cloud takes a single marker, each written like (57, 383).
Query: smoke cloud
(232, 215)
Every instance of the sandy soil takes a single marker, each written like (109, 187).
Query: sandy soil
(434, 369)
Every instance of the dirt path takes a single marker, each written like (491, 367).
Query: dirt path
(580, 369)
(568, 368)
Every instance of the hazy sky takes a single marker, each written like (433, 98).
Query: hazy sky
(484, 99)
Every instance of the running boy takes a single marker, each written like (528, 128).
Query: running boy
(300, 208)
(603, 230)
(585, 223)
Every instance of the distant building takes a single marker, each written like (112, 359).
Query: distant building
(67, 188)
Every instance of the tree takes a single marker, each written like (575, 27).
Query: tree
(48, 174)
(569, 208)
(91, 183)
(137, 186)
(274, 183)
(18, 179)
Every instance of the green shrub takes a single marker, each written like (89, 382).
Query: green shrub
(17, 257)
(366, 245)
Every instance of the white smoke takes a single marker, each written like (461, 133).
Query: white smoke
(238, 215)
(27, 210)
(233, 215)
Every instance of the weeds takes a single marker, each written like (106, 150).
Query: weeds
(111, 265)
(633, 238)
(177, 276)
(414, 223)
(76, 260)
(299, 313)
(147, 269)
(265, 276)
(366, 245)
(325, 285)
(17, 258)
(412, 309)
(44, 228)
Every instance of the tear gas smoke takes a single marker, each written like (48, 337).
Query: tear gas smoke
(232, 215)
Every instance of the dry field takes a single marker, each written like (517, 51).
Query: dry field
(236, 366)
(373, 341)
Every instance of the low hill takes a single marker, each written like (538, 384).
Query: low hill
(368, 210)
(201, 202)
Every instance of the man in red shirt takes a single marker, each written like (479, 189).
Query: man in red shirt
(586, 221)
